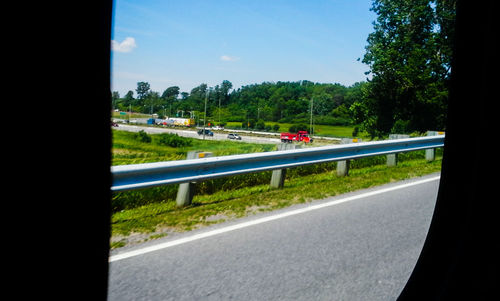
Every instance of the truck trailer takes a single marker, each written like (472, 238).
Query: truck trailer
(300, 136)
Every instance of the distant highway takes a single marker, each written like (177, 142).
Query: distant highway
(357, 246)
(194, 134)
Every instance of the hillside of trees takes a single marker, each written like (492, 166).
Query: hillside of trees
(281, 102)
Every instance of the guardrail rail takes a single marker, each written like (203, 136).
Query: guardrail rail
(127, 177)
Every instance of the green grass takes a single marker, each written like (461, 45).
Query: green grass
(302, 185)
(128, 150)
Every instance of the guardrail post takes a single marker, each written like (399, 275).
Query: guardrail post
(430, 154)
(392, 159)
(343, 166)
(278, 176)
(186, 190)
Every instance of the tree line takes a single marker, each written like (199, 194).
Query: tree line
(409, 54)
(288, 102)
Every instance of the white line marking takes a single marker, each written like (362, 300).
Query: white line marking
(261, 220)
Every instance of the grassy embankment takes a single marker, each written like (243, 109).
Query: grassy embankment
(127, 149)
(150, 213)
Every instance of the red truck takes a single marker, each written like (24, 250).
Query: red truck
(300, 136)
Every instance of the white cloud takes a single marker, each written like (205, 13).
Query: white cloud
(228, 58)
(126, 46)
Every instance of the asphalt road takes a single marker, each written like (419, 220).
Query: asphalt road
(358, 246)
(194, 134)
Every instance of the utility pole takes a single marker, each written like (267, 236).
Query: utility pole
(205, 117)
(311, 123)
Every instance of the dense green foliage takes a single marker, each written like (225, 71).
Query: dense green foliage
(174, 140)
(409, 54)
(165, 139)
(143, 137)
(252, 105)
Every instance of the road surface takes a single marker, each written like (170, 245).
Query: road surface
(358, 246)
(194, 134)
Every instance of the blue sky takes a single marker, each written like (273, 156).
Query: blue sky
(188, 42)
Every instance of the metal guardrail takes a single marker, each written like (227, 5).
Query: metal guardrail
(127, 177)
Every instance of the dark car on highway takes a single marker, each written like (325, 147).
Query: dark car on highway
(207, 132)
(234, 136)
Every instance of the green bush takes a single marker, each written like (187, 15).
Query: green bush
(173, 140)
(143, 137)
(298, 127)
(260, 125)
(248, 124)
(401, 127)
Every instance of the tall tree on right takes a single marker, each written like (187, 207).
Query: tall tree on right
(409, 55)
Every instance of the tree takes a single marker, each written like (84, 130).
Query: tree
(410, 72)
(323, 103)
(224, 90)
(129, 99)
(354, 93)
(260, 125)
(295, 107)
(199, 91)
(169, 97)
(341, 112)
(285, 101)
(151, 102)
(170, 93)
(142, 90)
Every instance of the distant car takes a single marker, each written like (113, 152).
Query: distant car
(114, 124)
(234, 136)
(207, 132)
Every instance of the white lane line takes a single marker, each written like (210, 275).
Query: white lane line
(180, 241)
